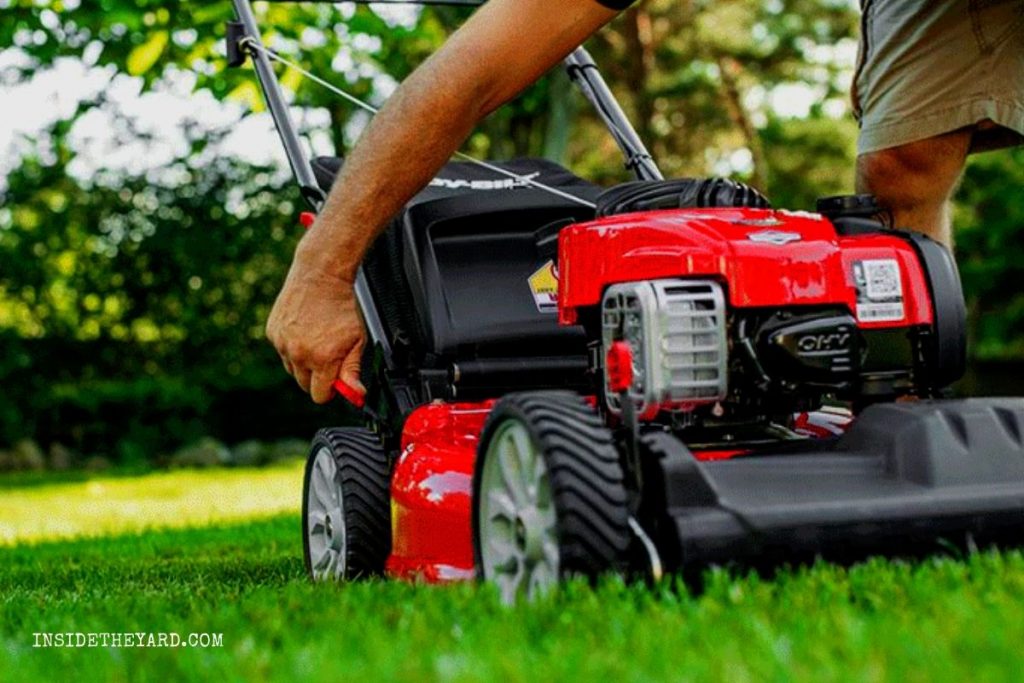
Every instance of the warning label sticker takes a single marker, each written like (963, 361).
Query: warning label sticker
(879, 290)
(544, 287)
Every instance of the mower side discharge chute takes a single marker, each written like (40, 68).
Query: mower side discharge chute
(908, 478)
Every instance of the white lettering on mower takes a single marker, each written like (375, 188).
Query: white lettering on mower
(496, 184)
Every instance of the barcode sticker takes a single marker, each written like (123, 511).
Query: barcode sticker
(879, 312)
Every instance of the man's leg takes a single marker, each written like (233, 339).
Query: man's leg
(915, 181)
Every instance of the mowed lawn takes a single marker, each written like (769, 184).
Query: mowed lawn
(235, 568)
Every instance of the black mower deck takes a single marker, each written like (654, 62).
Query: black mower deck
(907, 478)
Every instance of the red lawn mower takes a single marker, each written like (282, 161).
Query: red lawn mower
(571, 380)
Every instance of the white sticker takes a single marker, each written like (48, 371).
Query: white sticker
(879, 290)
(883, 279)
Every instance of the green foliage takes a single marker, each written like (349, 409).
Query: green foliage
(132, 308)
(683, 68)
(990, 248)
(142, 58)
(808, 159)
(697, 78)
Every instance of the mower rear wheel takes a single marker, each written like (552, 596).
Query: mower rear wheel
(346, 510)
(548, 495)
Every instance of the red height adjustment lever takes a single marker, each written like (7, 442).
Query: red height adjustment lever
(354, 397)
(619, 363)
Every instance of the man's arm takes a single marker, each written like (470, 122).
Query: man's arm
(504, 47)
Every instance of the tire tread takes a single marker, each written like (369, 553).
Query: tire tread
(586, 478)
(364, 474)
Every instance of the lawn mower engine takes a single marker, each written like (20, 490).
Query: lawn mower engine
(739, 315)
(709, 327)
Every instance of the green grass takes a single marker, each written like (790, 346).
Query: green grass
(73, 505)
(938, 620)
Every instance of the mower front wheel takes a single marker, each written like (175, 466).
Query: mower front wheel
(548, 495)
(346, 509)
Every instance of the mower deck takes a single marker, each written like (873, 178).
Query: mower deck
(907, 477)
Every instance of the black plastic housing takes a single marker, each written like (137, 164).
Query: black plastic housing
(907, 478)
(855, 214)
(681, 193)
(946, 353)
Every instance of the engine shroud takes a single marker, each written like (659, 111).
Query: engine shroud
(763, 258)
(811, 347)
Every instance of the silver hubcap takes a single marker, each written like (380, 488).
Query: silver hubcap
(518, 541)
(326, 521)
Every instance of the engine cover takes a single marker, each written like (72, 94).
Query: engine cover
(765, 259)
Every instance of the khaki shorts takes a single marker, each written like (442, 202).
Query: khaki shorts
(928, 67)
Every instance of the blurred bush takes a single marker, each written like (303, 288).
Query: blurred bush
(131, 311)
(989, 220)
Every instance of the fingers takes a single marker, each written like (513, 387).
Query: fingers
(351, 365)
(304, 376)
(320, 389)
(318, 381)
(288, 367)
(316, 329)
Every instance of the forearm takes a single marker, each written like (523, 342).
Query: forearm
(415, 133)
(483, 65)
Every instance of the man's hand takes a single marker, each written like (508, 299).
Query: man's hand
(317, 330)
